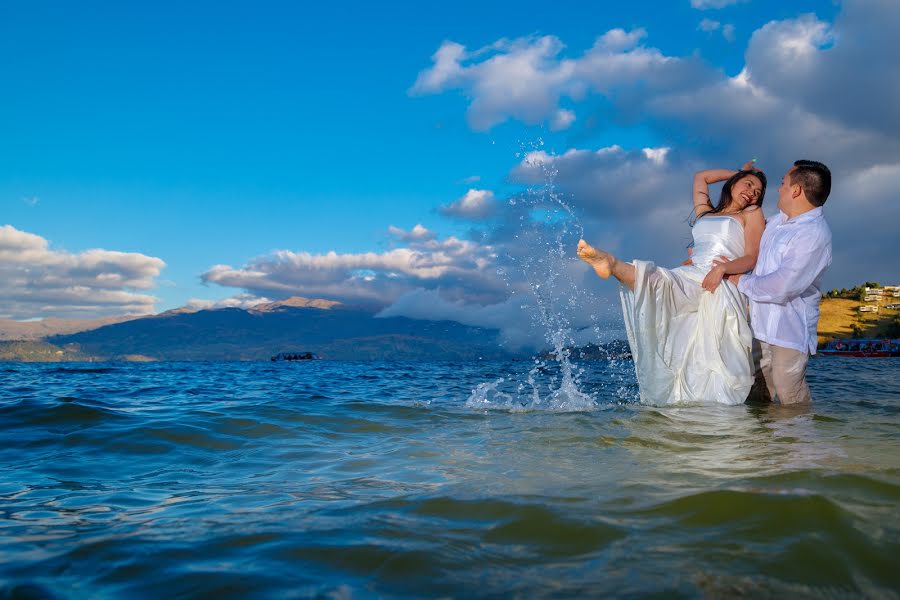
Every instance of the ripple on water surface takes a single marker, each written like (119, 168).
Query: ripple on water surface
(352, 479)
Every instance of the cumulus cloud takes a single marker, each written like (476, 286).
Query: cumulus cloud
(608, 182)
(526, 79)
(417, 234)
(563, 119)
(474, 205)
(521, 79)
(802, 72)
(863, 213)
(656, 155)
(708, 25)
(37, 281)
(711, 25)
(846, 72)
(728, 32)
(458, 268)
(707, 4)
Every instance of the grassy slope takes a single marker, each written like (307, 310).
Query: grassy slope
(838, 316)
(38, 351)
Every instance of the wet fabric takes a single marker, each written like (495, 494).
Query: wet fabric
(690, 345)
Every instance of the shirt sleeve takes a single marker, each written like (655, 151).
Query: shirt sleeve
(807, 257)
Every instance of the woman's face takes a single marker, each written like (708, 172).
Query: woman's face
(745, 192)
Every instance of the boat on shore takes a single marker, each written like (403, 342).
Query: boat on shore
(864, 348)
(292, 356)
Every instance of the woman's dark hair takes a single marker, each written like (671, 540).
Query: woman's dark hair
(725, 196)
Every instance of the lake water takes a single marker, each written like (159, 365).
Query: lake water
(356, 480)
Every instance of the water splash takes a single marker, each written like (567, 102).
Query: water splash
(548, 226)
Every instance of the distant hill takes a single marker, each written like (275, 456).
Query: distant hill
(331, 330)
(36, 330)
(327, 328)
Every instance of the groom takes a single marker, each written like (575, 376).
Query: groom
(784, 288)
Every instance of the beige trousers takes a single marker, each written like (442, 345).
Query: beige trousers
(780, 373)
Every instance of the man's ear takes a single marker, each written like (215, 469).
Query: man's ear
(796, 190)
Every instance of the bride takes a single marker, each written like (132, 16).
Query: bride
(688, 329)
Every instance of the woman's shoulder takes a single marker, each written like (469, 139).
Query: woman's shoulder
(752, 214)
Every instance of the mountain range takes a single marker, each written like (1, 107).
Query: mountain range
(327, 328)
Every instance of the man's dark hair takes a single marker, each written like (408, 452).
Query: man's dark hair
(814, 178)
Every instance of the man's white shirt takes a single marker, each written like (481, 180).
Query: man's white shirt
(784, 288)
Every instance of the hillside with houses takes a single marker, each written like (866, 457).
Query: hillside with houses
(870, 310)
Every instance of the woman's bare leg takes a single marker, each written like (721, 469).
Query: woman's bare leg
(605, 264)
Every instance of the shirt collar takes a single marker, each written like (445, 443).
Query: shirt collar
(803, 218)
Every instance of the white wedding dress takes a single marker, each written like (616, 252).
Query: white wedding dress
(690, 345)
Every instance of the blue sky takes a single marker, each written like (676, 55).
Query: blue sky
(218, 133)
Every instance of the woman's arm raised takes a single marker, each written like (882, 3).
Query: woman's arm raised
(702, 179)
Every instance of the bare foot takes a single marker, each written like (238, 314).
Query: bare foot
(603, 262)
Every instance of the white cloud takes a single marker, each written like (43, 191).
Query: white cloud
(609, 182)
(417, 234)
(811, 71)
(707, 4)
(475, 205)
(563, 119)
(796, 41)
(709, 25)
(846, 72)
(447, 69)
(458, 268)
(36, 281)
(241, 300)
(31, 200)
(657, 155)
(728, 32)
(521, 79)
(525, 79)
(863, 213)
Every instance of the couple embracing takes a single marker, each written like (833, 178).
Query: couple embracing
(745, 308)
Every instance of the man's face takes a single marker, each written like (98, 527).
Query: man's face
(784, 190)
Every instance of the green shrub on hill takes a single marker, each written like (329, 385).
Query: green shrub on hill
(855, 293)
